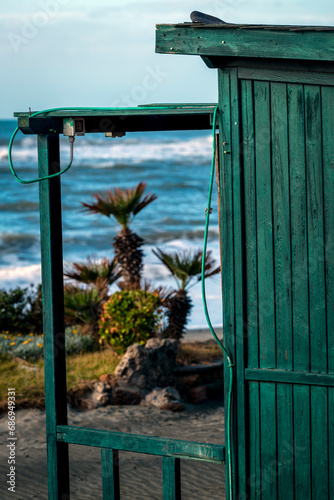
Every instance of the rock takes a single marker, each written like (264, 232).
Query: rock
(148, 366)
(198, 394)
(108, 379)
(100, 396)
(173, 407)
(166, 399)
(123, 396)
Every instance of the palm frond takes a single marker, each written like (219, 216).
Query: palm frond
(122, 204)
(187, 265)
(83, 305)
(92, 270)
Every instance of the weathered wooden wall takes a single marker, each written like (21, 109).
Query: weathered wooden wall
(277, 221)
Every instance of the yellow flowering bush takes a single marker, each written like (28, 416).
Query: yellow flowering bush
(128, 317)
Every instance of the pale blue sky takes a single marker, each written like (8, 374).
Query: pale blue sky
(101, 53)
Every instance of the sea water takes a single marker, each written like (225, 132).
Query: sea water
(174, 165)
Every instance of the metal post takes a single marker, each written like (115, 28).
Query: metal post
(53, 316)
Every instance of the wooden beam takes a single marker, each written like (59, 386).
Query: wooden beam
(290, 377)
(53, 315)
(141, 444)
(247, 41)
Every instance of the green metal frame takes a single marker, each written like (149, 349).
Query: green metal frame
(59, 434)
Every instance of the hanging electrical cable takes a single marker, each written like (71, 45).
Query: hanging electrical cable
(228, 413)
(71, 139)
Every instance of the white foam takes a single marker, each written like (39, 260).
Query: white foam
(10, 277)
(195, 149)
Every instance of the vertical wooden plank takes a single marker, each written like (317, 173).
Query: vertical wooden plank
(250, 269)
(264, 225)
(319, 436)
(285, 451)
(248, 158)
(281, 223)
(53, 316)
(239, 280)
(227, 230)
(266, 302)
(300, 302)
(317, 304)
(110, 474)
(268, 441)
(302, 442)
(282, 253)
(254, 480)
(315, 214)
(331, 442)
(171, 478)
(327, 94)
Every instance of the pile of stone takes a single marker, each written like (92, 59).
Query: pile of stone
(145, 376)
(148, 375)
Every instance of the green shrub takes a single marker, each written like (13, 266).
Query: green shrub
(130, 316)
(21, 310)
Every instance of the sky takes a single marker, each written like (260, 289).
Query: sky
(62, 53)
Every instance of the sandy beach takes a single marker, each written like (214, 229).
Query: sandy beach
(140, 475)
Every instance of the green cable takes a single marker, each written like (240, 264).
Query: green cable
(51, 110)
(229, 440)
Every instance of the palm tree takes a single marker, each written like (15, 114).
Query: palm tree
(94, 270)
(185, 267)
(123, 205)
(83, 306)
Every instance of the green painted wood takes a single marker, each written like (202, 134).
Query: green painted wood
(141, 444)
(285, 449)
(250, 225)
(238, 242)
(302, 442)
(53, 315)
(172, 109)
(282, 260)
(177, 117)
(327, 106)
(281, 224)
(254, 447)
(227, 232)
(171, 478)
(299, 252)
(300, 302)
(331, 441)
(288, 76)
(251, 273)
(327, 96)
(290, 377)
(266, 302)
(268, 445)
(319, 443)
(245, 41)
(110, 474)
(315, 213)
